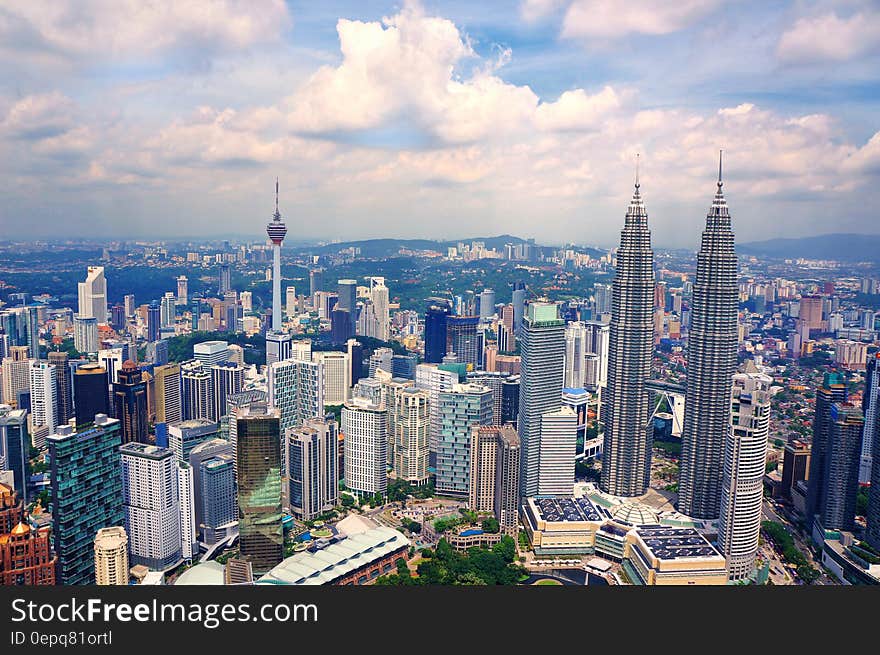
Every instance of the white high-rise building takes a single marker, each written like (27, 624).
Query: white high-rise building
(196, 391)
(745, 453)
(44, 395)
(152, 505)
(111, 556)
(211, 352)
(434, 380)
(93, 295)
(166, 392)
(337, 376)
(290, 301)
(247, 301)
(575, 352)
(379, 298)
(410, 426)
(558, 450)
(111, 359)
(296, 389)
(85, 334)
(15, 373)
(189, 547)
(182, 290)
(598, 334)
(365, 426)
(301, 349)
(311, 476)
(168, 310)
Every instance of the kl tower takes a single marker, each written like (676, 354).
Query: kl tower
(277, 342)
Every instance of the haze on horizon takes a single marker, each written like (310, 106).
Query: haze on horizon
(439, 120)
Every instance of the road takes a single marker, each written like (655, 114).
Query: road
(770, 514)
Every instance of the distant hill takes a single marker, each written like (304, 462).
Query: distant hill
(389, 247)
(842, 247)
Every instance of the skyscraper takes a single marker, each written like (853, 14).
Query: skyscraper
(182, 290)
(411, 425)
(227, 379)
(833, 390)
(337, 376)
(316, 282)
(463, 340)
(436, 317)
(540, 388)
(487, 303)
(518, 301)
(15, 447)
(213, 466)
(494, 475)
(224, 282)
(166, 389)
(130, 403)
(626, 458)
(152, 505)
(154, 321)
(742, 487)
(460, 408)
(258, 436)
(379, 298)
(837, 506)
(296, 390)
(434, 379)
(276, 230)
(712, 345)
(93, 295)
(63, 385)
(43, 386)
(85, 334)
(86, 480)
(111, 556)
(347, 290)
(557, 452)
(575, 355)
(16, 373)
(196, 392)
(365, 426)
(90, 393)
(312, 474)
(871, 410)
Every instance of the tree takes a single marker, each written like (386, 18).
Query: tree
(347, 501)
(491, 525)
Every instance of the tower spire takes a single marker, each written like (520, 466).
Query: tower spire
(637, 171)
(720, 183)
(276, 198)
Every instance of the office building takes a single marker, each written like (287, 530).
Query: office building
(575, 355)
(111, 556)
(184, 436)
(558, 448)
(316, 281)
(312, 474)
(196, 392)
(341, 325)
(518, 301)
(87, 495)
(227, 379)
(337, 376)
(85, 334)
(434, 380)
(215, 503)
(279, 346)
(365, 426)
(130, 403)
(347, 290)
(152, 505)
(224, 282)
(745, 456)
(837, 508)
(211, 352)
(63, 385)
(436, 317)
(44, 395)
(93, 295)
(810, 312)
(603, 296)
(182, 290)
(167, 310)
(15, 443)
(487, 304)
(91, 394)
(258, 438)
(540, 388)
(26, 558)
(166, 393)
(154, 321)
(463, 340)
(871, 410)
(409, 430)
(626, 452)
(460, 409)
(112, 360)
(712, 347)
(833, 390)
(795, 465)
(290, 302)
(15, 373)
(355, 351)
(494, 474)
(296, 390)
(186, 516)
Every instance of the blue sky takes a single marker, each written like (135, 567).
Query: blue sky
(437, 119)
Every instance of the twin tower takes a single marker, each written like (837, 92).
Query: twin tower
(712, 350)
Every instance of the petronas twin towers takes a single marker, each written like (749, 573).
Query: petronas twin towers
(712, 345)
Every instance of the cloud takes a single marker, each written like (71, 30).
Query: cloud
(830, 38)
(577, 110)
(533, 10)
(610, 19)
(39, 116)
(136, 29)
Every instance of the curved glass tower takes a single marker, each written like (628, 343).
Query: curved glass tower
(626, 458)
(712, 344)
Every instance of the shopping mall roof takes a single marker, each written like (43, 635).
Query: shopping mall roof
(337, 560)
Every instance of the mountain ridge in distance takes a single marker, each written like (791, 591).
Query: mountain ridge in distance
(836, 246)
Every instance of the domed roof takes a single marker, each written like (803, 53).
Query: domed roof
(21, 528)
(635, 514)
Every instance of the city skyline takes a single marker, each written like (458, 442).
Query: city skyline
(429, 119)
